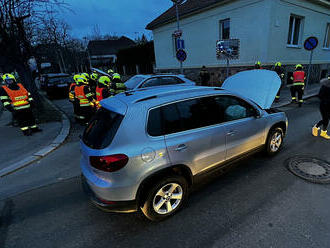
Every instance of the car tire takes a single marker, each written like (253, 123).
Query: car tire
(160, 202)
(274, 141)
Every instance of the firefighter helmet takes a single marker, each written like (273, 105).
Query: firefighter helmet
(278, 64)
(116, 76)
(104, 80)
(299, 66)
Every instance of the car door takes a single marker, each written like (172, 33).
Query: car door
(243, 125)
(194, 135)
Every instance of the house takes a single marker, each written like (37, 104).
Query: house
(268, 31)
(104, 52)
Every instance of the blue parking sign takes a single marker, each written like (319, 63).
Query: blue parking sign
(180, 44)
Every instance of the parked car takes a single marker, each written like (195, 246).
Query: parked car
(55, 83)
(146, 81)
(143, 149)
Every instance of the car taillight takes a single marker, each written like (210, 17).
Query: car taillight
(109, 163)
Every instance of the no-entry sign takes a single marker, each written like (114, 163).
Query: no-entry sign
(311, 43)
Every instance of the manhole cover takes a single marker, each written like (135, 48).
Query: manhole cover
(310, 169)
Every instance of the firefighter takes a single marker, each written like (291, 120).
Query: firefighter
(18, 100)
(204, 76)
(298, 86)
(110, 72)
(257, 65)
(117, 86)
(94, 79)
(102, 89)
(85, 101)
(71, 88)
(280, 72)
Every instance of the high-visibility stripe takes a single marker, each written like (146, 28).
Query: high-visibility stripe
(85, 104)
(24, 128)
(22, 107)
(301, 100)
(89, 94)
(80, 117)
(277, 97)
(4, 97)
(294, 98)
(6, 103)
(19, 103)
(34, 126)
(299, 83)
(30, 99)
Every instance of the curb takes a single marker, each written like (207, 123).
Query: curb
(58, 141)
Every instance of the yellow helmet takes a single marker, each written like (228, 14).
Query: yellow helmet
(86, 75)
(104, 80)
(299, 66)
(75, 77)
(278, 64)
(8, 76)
(94, 76)
(110, 71)
(82, 80)
(116, 76)
(258, 63)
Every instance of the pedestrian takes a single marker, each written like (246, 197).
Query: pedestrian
(117, 86)
(280, 72)
(298, 86)
(257, 65)
(18, 100)
(204, 76)
(110, 72)
(86, 103)
(324, 96)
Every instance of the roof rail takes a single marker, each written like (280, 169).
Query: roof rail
(146, 99)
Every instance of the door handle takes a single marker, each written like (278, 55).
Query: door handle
(231, 133)
(181, 148)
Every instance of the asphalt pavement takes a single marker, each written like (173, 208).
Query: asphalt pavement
(259, 203)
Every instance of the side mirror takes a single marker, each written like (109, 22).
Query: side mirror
(257, 114)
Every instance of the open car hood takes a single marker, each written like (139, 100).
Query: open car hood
(261, 86)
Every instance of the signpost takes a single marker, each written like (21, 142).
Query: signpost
(310, 44)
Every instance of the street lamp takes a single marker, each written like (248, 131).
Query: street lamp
(177, 3)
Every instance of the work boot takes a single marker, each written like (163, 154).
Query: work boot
(324, 134)
(315, 131)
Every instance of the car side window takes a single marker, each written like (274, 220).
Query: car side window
(171, 119)
(151, 82)
(233, 108)
(170, 80)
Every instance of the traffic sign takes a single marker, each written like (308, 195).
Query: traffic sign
(311, 43)
(181, 55)
(180, 44)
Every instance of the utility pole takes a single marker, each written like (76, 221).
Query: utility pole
(177, 2)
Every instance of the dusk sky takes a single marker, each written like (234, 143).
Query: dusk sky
(120, 17)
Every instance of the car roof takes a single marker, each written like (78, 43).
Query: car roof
(150, 97)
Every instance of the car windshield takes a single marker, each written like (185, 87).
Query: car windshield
(133, 82)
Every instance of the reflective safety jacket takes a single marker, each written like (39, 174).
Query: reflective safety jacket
(85, 99)
(299, 78)
(19, 99)
(118, 87)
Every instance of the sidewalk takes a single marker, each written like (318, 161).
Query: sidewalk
(16, 147)
(18, 151)
(311, 91)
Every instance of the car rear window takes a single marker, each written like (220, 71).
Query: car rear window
(102, 129)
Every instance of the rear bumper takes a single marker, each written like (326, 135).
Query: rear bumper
(108, 206)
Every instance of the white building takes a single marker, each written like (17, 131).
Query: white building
(268, 30)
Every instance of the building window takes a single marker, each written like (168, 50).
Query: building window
(327, 37)
(224, 29)
(295, 30)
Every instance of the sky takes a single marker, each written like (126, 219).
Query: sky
(116, 17)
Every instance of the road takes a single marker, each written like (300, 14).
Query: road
(257, 204)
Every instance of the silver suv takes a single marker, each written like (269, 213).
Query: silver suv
(144, 149)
